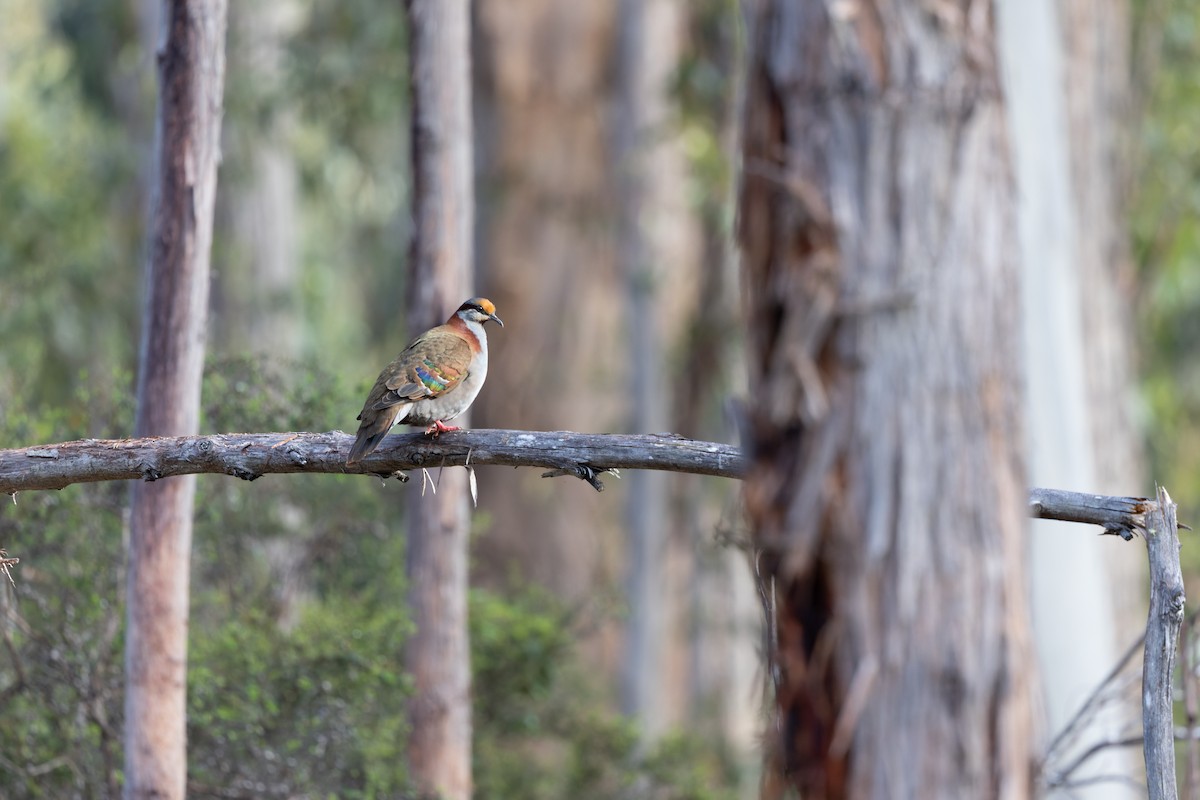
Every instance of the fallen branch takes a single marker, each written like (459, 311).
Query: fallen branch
(252, 455)
(1122, 516)
(585, 455)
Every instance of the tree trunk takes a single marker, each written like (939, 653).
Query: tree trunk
(1061, 67)
(257, 294)
(885, 488)
(548, 116)
(1096, 85)
(724, 633)
(439, 748)
(544, 87)
(191, 79)
(649, 174)
(256, 305)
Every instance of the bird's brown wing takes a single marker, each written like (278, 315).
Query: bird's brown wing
(434, 364)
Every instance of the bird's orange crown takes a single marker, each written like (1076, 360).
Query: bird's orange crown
(487, 305)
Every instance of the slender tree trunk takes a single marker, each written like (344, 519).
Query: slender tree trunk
(256, 305)
(191, 77)
(439, 748)
(885, 489)
(725, 617)
(647, 48)
(257, 295)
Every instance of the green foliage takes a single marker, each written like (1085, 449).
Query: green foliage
(326, 75)
(59, 163)
(517, 646)
(62, 624)
(1165, 234)
(703, 89)
(352, 153)
(106, 51)
(315, 710)
(287, 694)
(258, 393)
(296, 681)
(60, 680)
(539, 728)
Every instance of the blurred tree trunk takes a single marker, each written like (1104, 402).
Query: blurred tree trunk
(1066, 68)
(439, 749)
(135, 100)
(646, 55)
(886, 489)
(551, 240)
(725, 618)
(546, 258)
(191, 77)
(256, 296)
(1099, 117)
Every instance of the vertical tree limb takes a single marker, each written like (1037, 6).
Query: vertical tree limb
(191, 79)
(1162, 635)
(1191, 707)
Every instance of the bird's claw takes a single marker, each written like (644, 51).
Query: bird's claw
(439, 427)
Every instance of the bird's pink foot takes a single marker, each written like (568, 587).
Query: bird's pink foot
(439, 427)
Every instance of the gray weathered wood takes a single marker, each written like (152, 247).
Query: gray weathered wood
(1118, 515)
(880, 285)
(252, 455)
(585, 455)
(1162, 635)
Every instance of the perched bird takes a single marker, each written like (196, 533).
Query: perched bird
(435, 379)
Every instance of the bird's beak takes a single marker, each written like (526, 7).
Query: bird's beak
(496, 319)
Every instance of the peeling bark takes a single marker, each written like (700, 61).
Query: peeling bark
(884, 485)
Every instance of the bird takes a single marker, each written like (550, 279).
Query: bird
(435, 378)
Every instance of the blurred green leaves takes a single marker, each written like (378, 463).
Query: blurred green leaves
(318, 709)
(541, 731)
(1165, 234)
(67, 248)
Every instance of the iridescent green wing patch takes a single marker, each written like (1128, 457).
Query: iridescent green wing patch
(436, 379)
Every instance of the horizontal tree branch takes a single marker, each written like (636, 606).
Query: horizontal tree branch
(1122, 516)
(584, 455)
(251, 455)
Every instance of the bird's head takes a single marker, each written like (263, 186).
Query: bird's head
(479, 309)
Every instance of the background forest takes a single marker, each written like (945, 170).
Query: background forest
(296, 680)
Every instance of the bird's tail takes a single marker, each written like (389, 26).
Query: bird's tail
(374, 427)
(364, 445)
